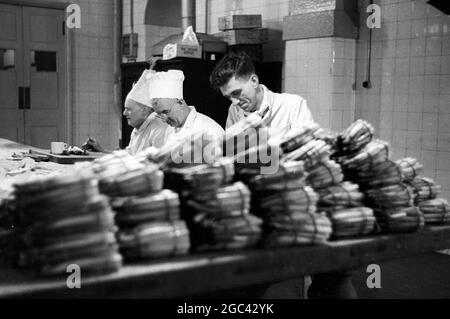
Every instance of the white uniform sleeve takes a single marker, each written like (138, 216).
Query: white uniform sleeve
(301, 115)
(232, 117)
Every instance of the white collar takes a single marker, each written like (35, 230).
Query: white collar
(146, 123)
(265, 103)
(189, 120)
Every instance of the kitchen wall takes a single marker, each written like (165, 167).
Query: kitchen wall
(92, 75)
(409, 102)
(272, 18)
(323, 72)
(148, 32)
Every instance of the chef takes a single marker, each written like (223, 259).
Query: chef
(235, 77)
(149, 129)
(166, 94)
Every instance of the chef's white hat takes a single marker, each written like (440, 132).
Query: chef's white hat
(167, 84)
(139, 92)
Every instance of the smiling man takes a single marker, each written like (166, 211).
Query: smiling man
(235, 77)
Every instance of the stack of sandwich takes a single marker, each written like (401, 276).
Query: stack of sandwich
(426, 191)
(216, 210)
(367, 163)
(222, 219)
(288, 207)
(148, 216)
(342, 201)
(151, 226)
(64, 220)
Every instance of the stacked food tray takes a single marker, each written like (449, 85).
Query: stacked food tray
(63, 220)
(341, 201)
(215, 208)
(383, 181)
(288, 207)
(148, 216)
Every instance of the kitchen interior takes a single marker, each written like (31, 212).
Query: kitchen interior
(69, 83)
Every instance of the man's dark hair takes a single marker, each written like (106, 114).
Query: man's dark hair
(233, 64)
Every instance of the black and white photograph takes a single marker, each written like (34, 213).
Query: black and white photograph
(225, 155)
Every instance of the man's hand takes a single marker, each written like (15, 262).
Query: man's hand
(92, 145)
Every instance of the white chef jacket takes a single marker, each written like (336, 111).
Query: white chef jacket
(281, 111)
(199, 122)
(211, 132)
(152, 132)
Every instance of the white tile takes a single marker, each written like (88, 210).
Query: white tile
(444, 123)
(432, 65)
(415, 103)
(418, 28)
(339, 49)
(445, 65)
(431, 103)
(404, 29)
(417, 66)
(428, 159)
(402, 66)
(398, 138)
(414, 140)
(416, 84)
(418, 47)
(414, 121)
(401, 102)
(432, 84)
(403, 48)
(429, 141)
(434, 27)
(390, 30)
(443, 142)
(419, 9)
(389, 48)
(401, 85)
(444, 87)
(400, 120)
(387, 103)
(433, 46)
(444, 105)
(386, 121)
(443, 161)
(404, 11)
(430, 122)
(389, 13)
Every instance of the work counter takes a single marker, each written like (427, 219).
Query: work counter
(205, 273)
(200, 274)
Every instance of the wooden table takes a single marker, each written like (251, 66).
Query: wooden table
(205, 273)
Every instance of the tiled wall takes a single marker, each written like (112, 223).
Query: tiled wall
(92, 75)
(272, 13)
(323, 71)
(148, 35)
(409, 102)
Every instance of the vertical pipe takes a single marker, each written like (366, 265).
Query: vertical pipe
(206, 15)
(117, 59)
(187, 14)
(132, 16)
(367, 84)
